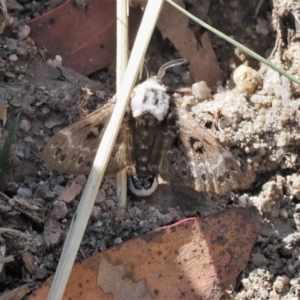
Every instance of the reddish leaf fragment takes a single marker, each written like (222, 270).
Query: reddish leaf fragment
(28, 261)
(192, 259)
(84, 38)
(71, 192)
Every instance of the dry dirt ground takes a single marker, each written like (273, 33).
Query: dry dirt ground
(261, 128)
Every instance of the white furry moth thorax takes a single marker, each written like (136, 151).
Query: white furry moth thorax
(158, 137)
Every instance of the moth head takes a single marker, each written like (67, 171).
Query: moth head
(150, 97)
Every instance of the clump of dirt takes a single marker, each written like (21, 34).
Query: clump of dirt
(261, 128)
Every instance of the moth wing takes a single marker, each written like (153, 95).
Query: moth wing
(186, 153)
(73, 149)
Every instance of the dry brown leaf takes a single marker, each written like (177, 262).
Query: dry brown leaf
(174, 25)
(70, 192)
(32, 208)
(3, 112)
(196, 258)
(28, 261)
(201, 56)
(85, 38)
(16, 294)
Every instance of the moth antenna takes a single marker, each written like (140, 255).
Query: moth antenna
(161, 72)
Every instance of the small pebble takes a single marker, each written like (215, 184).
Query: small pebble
(24, 192)
(259, 260)
(200, 90)
(25, 125)
(118, 240)
(96, 213)
(13, 57)
(23, 31)
(59, 210)
(110, 203)
(246, 79)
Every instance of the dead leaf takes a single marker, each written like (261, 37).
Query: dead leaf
(196, 258)
(200, 54)
(28, 261)
(85, 39)
(16, 294)
(52, 233)
(32, 208)
(71, 192)
(203, 63)
(2, 255)
(3, 112)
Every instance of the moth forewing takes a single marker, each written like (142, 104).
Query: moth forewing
(72, 150)
(187, 154)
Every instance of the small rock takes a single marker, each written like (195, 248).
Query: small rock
(41, 273)
(110, 203)
(59, 210)
(280, 283)
(269, 200)
(259, 260)
(96, 213)
(24, 192)
(284, 214)
(109, 191)
(118, 240)
(13, 57)
(128, 224)
(58, 189)
(282, 139)
(100, 196)
(200, 90)
(52, 122)
(104, 186)
(276, 103)
(29, 139)
(243, 200)
(23, 31)
(81, 179)
(246, 283)
(100, 95)
(25, 125)
(246, 79)
(56, 63)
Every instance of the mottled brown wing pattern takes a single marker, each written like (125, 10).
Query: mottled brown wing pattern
(186, 153)
(72, 150)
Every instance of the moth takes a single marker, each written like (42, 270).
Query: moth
(157, 137)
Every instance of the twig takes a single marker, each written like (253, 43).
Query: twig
(15, 233)
(122, 60)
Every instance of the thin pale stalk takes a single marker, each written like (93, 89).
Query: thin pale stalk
(86, 204)
(122, 60)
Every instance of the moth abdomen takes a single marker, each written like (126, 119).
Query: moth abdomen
(142, 185)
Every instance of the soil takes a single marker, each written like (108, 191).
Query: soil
(260, 127)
